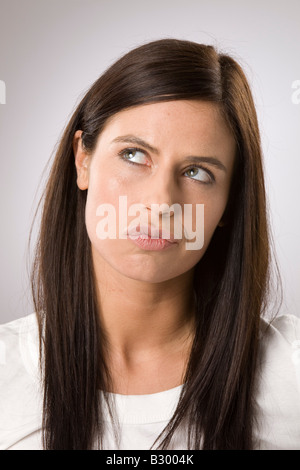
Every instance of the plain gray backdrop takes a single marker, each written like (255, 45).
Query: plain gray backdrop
(52, 51)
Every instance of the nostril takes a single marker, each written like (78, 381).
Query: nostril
(162, 209)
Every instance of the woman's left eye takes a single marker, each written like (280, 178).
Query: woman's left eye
(134, 156)
(200, 174)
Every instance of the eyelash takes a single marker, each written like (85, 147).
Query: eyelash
(210, 174)
(137, 149)
(127, 150)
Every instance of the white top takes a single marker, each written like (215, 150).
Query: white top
(142, 417)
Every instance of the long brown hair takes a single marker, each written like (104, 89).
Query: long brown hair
(231, 281)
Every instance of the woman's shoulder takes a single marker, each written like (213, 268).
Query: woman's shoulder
(20, 392)
(280, 345)
(19, 340)
(280, 338)
(287, 326)
(278, 393)
(13, 327)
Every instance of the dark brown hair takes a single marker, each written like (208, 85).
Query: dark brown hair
(231, 280)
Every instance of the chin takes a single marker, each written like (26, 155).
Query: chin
(145, 266)
(145, 272)
(149, 269)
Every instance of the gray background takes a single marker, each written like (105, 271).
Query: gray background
(52, 51)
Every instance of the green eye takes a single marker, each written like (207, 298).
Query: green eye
(134, 156)
(200, 174)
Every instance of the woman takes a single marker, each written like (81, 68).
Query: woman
(146, 342)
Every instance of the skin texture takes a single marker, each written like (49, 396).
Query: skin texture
(146, 306)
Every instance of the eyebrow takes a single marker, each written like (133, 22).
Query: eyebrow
(136, 140)
(193, 159)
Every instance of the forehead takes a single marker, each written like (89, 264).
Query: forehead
(184, 123)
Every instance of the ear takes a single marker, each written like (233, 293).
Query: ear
(82, 160)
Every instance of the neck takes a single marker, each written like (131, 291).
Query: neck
(141, 317)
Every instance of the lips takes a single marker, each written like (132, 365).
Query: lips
(148, 232)
(149, 238)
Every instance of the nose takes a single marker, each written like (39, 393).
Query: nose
(161, 193)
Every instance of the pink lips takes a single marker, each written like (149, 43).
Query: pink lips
(144, 241)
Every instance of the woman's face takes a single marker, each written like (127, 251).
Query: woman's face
(176, 152)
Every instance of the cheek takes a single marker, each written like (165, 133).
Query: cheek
(105, 187)
(213, 211)
(212, 216)
(104, 191)
(213, 204)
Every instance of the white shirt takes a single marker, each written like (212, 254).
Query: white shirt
(143, 417)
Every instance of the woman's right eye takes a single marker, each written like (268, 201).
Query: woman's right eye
(134, 155)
